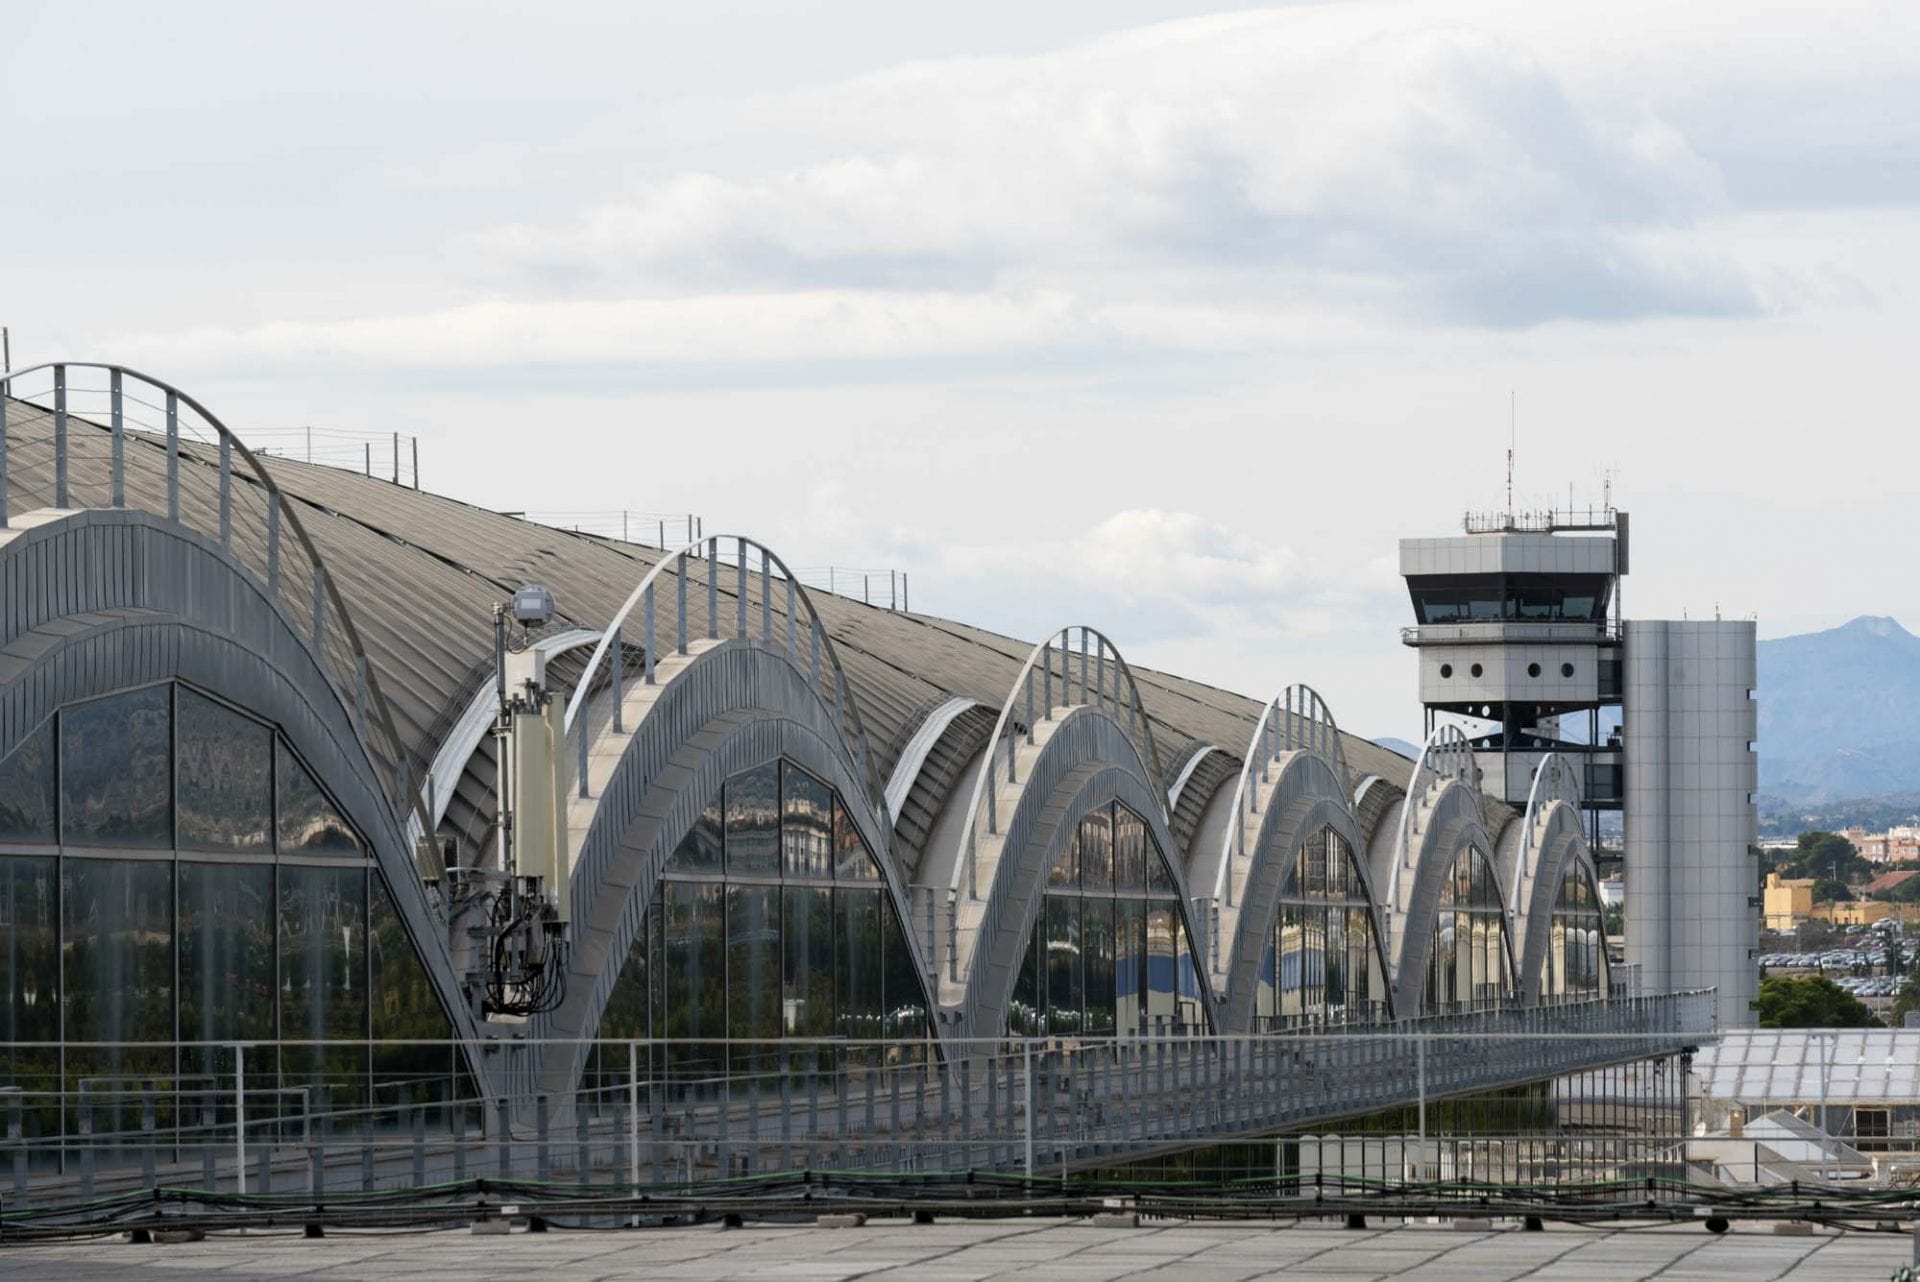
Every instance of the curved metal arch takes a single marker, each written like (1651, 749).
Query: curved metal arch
(1477, 839)
(846, 710)
(1306, 726)
(1445, 753)
(1569, 851)
(1554, 780)
(1095, 652)
(1266, 840)
(906, 771)
(401, 793)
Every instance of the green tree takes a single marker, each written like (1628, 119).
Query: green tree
(1908, 999)
(1825, 854)
(1614, 919)
(1810, 1001)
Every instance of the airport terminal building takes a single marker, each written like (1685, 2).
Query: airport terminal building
(296, 782)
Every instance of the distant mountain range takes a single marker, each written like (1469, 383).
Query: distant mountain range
(1840, 714)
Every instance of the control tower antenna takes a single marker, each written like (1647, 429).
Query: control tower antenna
(1512, 401)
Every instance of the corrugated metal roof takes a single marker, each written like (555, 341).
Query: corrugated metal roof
(421, 572)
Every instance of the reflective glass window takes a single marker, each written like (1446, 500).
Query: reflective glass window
(699, 851)
(29, 973)
(1163, 976)
(695, 991)
(118, 983)
(116, 770)
(1130, 965)
(1097, 953)
(1023, 1010)
(858, 940)
(308, 822)
(405, 1009)
(806, 824)
(27, 794)
(226, 956)
(753, 822)
(1064, 871)
(1065, 995)
(323, 977)
(906, 1002)
(852, 861)
(225, 786)
(807, 1002)
(1096, 851)
(1129, 850)
(753, 972)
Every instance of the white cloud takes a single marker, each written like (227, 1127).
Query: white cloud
(1358, 156)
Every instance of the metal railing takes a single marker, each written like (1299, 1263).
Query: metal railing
(1446, 753)
(823, 663)
(67, 431)
(686, 1113)
(1500, 631)
(663, 530)
(883, 587)
(1296, 719)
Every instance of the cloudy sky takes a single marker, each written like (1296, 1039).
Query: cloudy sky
(1165, 317)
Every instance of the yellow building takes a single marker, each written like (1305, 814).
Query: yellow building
(1787, 901)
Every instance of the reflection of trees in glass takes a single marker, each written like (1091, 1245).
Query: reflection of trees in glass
(225, 784)
(27, 798)
(116, 774)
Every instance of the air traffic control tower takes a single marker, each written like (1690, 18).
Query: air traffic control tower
(1523, 649)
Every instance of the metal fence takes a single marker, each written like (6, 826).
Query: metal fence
(648, 1114)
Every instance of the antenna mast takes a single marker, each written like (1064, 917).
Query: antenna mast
(1511, 401)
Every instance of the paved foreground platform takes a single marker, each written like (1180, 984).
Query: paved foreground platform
(952, 1251)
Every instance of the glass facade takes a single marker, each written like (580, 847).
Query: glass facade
(1469, 967)
(1111, 954)
(771, 922)
(162, 886)
(1322, 965)
(1575, 967)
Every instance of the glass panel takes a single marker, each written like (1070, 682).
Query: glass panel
(116, 770)
(1263, 996)
(806, 824)
(860, 962)
(226, 964)
(906, 998)
(1130, 966)
(1291, 945)
(696, 995)
(1191, 1009)
(1023, 1011)
(851, 859)
(225, 784)
(1159, 877)
(1163, 968)
(405, 1008)
(1129, 850)
(118, 919)
(753, 822)
(1064, 993)
(30, 982)
(753, 974)
(808, 994)
(1096, 851)
(1097, 948)
(323, 978)
(308, 823)
(1064, 871)
(27, 788)
(626, 1014)
(699, 850)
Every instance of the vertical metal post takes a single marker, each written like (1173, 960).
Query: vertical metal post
(904, 606)
(368, 468)
(273, 544)
(6, 391)
(60, 436)
(646, 658)
(1046, 676)
(893, 591)
(226, 490)
(1420, 1081)
(793, 624)
(813, 651)
(866, 589)
(173, 456)
(766, 597)
(396, 458)
(119, 421)
(416, 463)
(633, 1113)
(582, 784)
(680, 612)
(240, 1115)
(740, 591)
(1028, 684)
(713, 589)
(1026, 1127)
(619, 650)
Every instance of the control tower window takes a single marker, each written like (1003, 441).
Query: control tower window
(1493, 598)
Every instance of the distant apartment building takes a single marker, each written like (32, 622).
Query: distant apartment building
(1895, 845)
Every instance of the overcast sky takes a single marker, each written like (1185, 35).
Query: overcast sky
(1165, 317)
